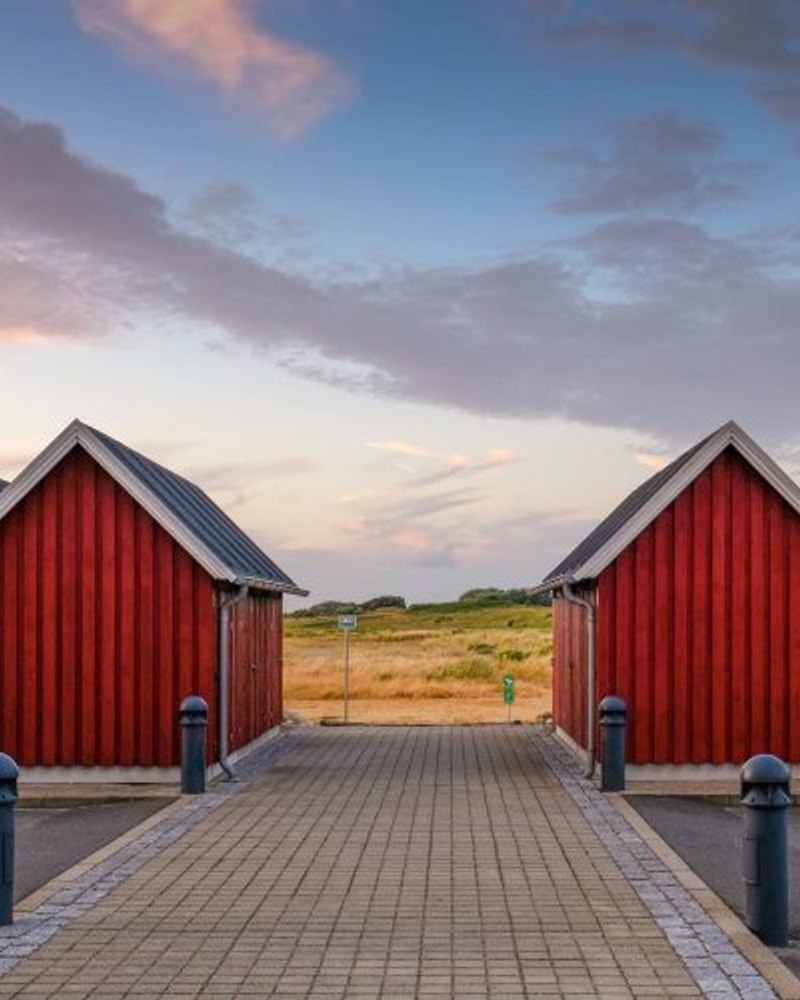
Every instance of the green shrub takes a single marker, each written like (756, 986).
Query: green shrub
(466, 670)
(484, 648)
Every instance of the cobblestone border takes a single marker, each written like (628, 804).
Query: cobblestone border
(33, 929)
(713, 961)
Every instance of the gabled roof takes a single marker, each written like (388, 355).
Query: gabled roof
(184, 511)
(602, 545)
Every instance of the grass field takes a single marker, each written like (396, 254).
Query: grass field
(433, 663)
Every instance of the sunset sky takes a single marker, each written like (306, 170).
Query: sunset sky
(415, 290)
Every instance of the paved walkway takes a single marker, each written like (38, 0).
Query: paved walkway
(395, 862)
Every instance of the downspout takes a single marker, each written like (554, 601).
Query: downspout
(591, 673)
(224, 658)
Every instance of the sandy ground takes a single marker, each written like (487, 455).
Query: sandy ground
(443, 711)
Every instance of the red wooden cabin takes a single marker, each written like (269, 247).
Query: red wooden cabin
(685, 601)
(125, 589)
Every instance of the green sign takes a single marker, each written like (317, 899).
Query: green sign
(347, 622)
(508, 689)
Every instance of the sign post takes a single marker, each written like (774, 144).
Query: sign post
(346, 624)
(508, 693)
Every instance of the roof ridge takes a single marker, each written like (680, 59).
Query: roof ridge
(644, 502)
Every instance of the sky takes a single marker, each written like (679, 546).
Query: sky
(417, 291)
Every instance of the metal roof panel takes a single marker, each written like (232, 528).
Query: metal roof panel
(201, 516)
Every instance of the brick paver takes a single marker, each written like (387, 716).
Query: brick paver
(393, 862)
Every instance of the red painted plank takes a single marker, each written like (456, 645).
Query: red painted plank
(758, 617)
(145, 694)
(605, 633)
(207, 657)
(663, 657)
(719, 660)
(683, 602)
(776, 655)
(184, 617)
(9, 615)
(238, 679)
(48, 557)
(127, 639)
(108, 708)
(165, 661)
(642, 665)
(793, 635)
(699, 705)
(624, 627)
(739, 612)
(28, 679)
(68, 595)
(88, 722)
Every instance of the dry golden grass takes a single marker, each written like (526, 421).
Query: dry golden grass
(435, 664)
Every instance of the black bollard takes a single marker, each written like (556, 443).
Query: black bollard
(613, 719)
(765, 794)
(194, 720)
(9, 772)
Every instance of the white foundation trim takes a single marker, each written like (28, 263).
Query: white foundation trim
(689, 772)
(99, 775)
(130, 775)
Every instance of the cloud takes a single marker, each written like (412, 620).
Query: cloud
(227, 213)
(410, 529)
(234, 476)
(290, 86)
(236, 484)
(13, 461)
(465, 465)
(782, 101)
(653, 462)
(656, 162)
(762, 39)
(501, 456)
(83, 249)
(651, 324)
(399, 448)
(759, 36)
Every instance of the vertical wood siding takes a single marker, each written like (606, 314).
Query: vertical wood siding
(256, 667)
(106, 624)
(569, 668)
(699, 624)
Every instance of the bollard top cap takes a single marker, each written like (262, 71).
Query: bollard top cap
(765, 769)
(194, 703)
(613, 703)
(8, 768)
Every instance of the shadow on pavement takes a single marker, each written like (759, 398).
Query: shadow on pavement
(707, 834)
(49, 840)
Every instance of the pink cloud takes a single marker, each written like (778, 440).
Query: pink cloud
(220, 42)
(501, 456)
(399, 448)
(655, 462)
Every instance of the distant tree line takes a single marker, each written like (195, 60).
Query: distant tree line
(350, 607)
(477, 597)
(495, 595)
